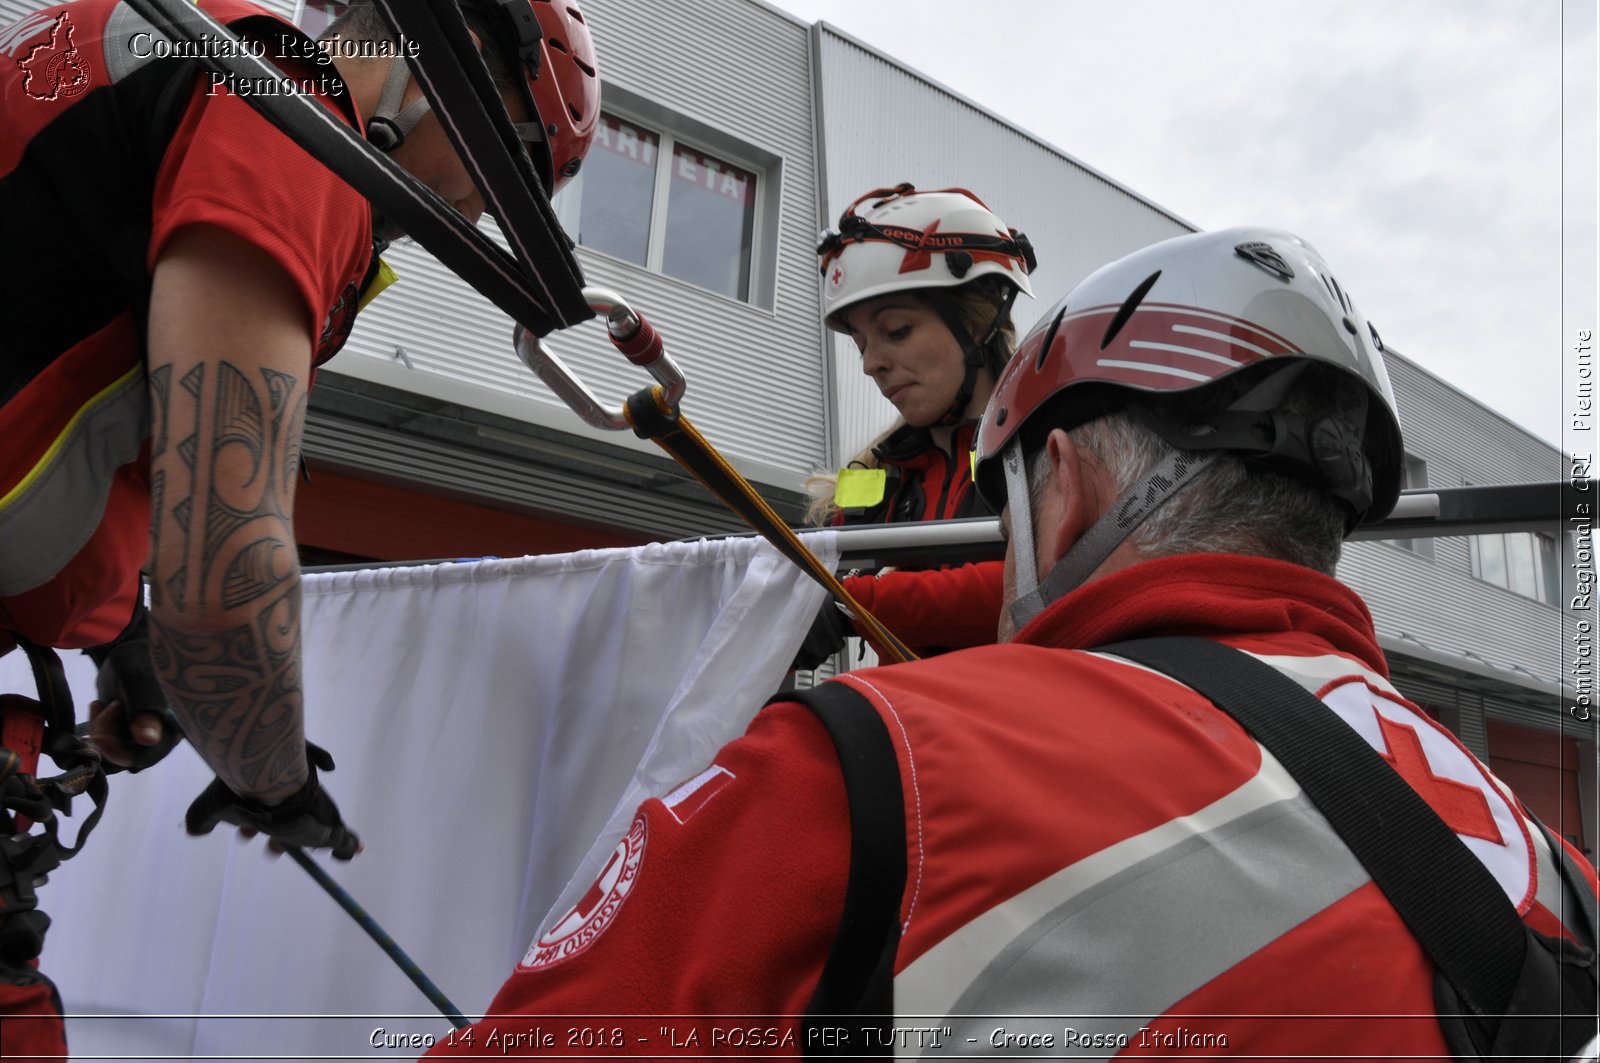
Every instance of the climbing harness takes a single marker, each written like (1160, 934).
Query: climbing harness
(31, 728)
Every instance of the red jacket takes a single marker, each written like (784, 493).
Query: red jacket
(106, 151)
(930, 610)
(1085, 839)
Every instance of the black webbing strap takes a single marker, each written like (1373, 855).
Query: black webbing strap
(856, 990)
(50, 679)
(459, 92)
(1445, 896)
(674, 434)
(424, 215)
(82, 771)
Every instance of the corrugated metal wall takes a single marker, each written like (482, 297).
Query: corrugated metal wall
(755, 378)
(1436, 600)
(883, 123)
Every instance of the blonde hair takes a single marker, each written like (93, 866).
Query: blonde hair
(976, 304)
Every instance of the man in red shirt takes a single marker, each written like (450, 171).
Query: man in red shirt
(179, 267)
(1096, 860)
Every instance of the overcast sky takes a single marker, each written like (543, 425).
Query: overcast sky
(1417, 143)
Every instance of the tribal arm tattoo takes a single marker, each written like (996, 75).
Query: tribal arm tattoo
(225, 589)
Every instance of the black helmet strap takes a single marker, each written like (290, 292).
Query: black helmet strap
(1326, 451)
(974, 352)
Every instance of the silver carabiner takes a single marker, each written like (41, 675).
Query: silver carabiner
(631, 334)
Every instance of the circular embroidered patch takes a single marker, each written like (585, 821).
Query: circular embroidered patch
(579, 928)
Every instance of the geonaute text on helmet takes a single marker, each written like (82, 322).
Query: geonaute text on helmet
(933, 241)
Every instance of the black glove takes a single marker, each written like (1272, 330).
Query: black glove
(307, 818)
(127, 674)
(827, 637)
(24, 859)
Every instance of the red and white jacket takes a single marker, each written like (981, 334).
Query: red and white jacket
(1086, 840)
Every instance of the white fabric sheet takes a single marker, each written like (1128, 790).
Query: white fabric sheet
(491, 721)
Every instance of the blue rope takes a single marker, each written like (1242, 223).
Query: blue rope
(381, 936)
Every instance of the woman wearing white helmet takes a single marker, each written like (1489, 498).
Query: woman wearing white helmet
(923, 283)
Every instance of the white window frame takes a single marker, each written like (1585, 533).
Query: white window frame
(1541, 576)
(673, 129)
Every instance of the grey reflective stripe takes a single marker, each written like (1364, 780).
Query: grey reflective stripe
(117, 47)
(48, 520)
(1120, 937)
(1556, 892)
(13, 37)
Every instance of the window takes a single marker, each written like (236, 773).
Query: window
(711, 208)
(648, 197)
(1414, 476)
(618, 182)
(1526, 563)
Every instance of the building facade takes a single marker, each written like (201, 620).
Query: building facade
(732, 132)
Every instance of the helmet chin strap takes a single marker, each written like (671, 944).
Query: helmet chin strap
(388, 126)
(1200, 440)
(1095, 545)
(974, 354)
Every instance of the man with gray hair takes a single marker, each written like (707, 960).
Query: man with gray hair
(1044, 846)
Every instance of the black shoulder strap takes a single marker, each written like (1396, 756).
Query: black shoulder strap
(856, 990)
(1445, 896)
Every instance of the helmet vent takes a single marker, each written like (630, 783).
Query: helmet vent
(1125, 311)
(558, 44)
(585, 67)
(577, 16)
(1337, 292)
(577, 115)
(1049, 338)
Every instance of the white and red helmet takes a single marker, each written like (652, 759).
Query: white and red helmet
(907, 240)
(1179, 317)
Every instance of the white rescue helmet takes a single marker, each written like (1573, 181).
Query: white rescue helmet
(1179, 317)
(907, 240)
